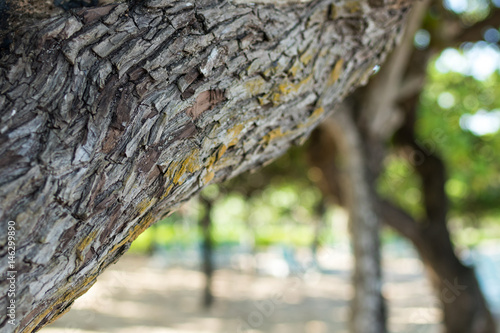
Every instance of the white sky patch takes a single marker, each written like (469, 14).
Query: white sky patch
(482, 122)
(480, 61)
(446, 100)
(452, 60)
(483, 59)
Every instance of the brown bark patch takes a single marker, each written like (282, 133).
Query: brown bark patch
(187, 131)
(115, 213)
(111, 139)
(149, 160)
(376, 3)
(207, 100)
(90, 15)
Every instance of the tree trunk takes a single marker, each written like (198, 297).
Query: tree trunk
(319, 225)
(464, 307)
(112, 116)
(207, 251)
(456, 285)
(368, 308)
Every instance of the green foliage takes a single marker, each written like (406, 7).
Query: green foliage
(284, 213)
(179, 229)
(229, 218)
(472, 160)
(400, 183)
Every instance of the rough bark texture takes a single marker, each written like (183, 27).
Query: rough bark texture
(112, 116)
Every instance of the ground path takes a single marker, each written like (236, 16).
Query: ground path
(135, 296)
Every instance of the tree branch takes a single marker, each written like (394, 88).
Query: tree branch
(397, 219)
(112, 116)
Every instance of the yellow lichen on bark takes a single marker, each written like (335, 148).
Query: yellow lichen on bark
(234, 134)
(287, 88)
(167, 191)
(84, 244)
(67, 296)
(189, 165)
(144, 205)
(336, 72)
(135, 231)
(255, 86)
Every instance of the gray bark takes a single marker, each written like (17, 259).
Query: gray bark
(368, 308)
(112, 116)
(207, 249)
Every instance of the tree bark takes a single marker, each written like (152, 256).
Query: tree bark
(207, 251)
(112, 116)
(464, 307)
(456, 285)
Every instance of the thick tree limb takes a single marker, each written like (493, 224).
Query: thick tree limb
(397, 219)
(112, 116)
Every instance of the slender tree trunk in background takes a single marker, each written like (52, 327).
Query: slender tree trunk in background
(368, 307)
(319, 224)
(464, 306)
(207, 251)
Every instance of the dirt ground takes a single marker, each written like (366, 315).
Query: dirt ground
(135, 295)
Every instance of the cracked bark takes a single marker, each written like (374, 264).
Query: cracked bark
(112, 116)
